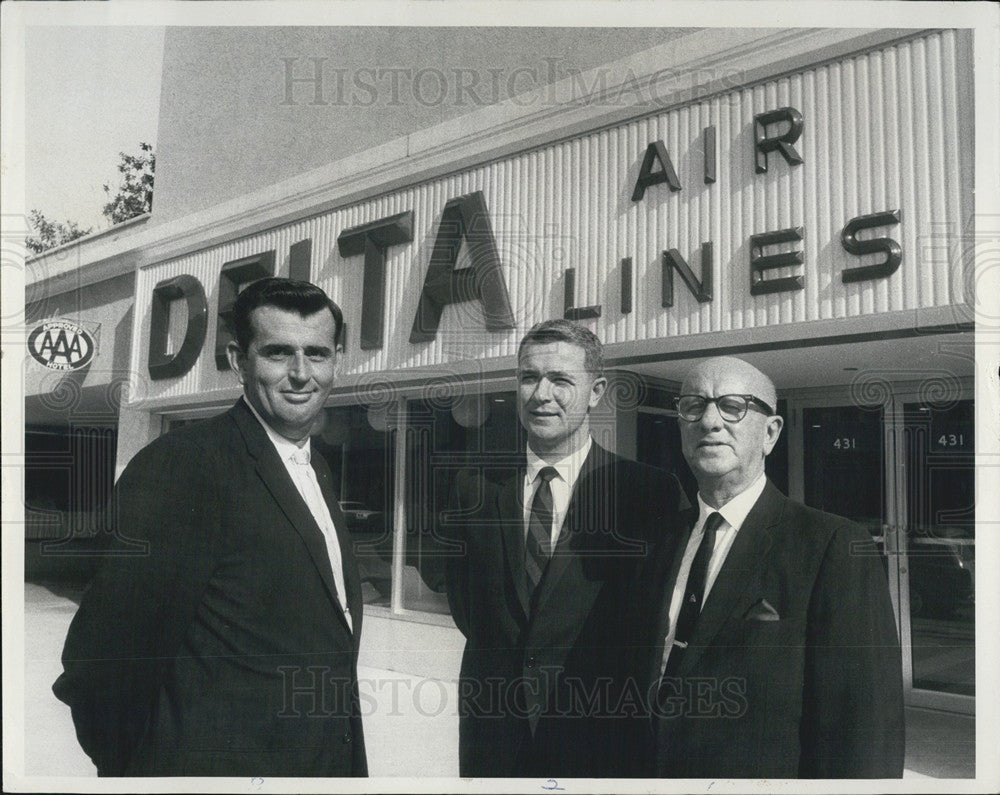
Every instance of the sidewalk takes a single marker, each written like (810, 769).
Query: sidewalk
(411, 723)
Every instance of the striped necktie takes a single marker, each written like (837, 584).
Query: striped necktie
(538, 544)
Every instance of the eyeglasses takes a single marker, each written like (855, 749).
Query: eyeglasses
(732, 408)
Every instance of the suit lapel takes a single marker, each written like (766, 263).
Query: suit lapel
(743, 563)
(566, 593)
(511, 513)
(668, 565)
(592, 498)
(352, 579)
(275, 477)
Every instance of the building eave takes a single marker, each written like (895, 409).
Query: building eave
(704, 63)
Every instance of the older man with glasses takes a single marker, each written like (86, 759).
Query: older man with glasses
(772, 649)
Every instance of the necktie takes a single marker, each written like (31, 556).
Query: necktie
(694, 593)
(311, 492)
(538, 544)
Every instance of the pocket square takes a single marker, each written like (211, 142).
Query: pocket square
(762, 611)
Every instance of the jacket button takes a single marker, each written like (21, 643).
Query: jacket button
(347, 737)
(530, 663)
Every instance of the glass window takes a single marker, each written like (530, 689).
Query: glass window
(776, 464)
(658, 443)
(844, 471)
(68, 478)
(445, 436)
(940, 545)
(358, 446)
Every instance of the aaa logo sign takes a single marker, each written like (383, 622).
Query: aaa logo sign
(61, 345)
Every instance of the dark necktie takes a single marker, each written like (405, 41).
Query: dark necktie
(694, 594)
(538, 544)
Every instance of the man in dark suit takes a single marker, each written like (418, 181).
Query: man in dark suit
(549, 547)
(229, 646)
(775, 652)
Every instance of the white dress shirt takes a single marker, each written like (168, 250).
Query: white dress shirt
(734, 513)
(567, 471)
(296, 458)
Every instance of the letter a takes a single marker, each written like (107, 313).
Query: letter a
(464, 218)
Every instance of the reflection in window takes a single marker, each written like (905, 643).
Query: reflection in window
(357, 444)
(940, 544)
(844, 470)
(445, 436)
(68, 477)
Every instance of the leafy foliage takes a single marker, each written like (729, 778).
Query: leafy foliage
(49, 234)
(134, 197)
(135, 194)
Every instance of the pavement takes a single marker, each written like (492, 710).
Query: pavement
(411, 722)
(395, 706)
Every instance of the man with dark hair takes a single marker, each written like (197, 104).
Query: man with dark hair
(229, 646)
(772, 649)
(302, 298)
(548, 547)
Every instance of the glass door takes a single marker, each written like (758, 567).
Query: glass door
(843, 469)
(843, 464)
(904, 469)
(937, 539)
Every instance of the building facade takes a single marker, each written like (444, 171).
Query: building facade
(799, 198)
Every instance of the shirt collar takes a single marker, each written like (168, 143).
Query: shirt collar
(287, 449)
(568, 466)
(735, 511)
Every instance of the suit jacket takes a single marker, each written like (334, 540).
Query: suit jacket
(542, 689)
(221, 649)
(794, 668)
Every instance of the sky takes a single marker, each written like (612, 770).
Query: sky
(90, 93)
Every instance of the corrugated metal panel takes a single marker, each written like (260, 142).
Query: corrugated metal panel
(881, 133)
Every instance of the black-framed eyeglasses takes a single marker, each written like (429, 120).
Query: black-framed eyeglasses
(732, 408)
